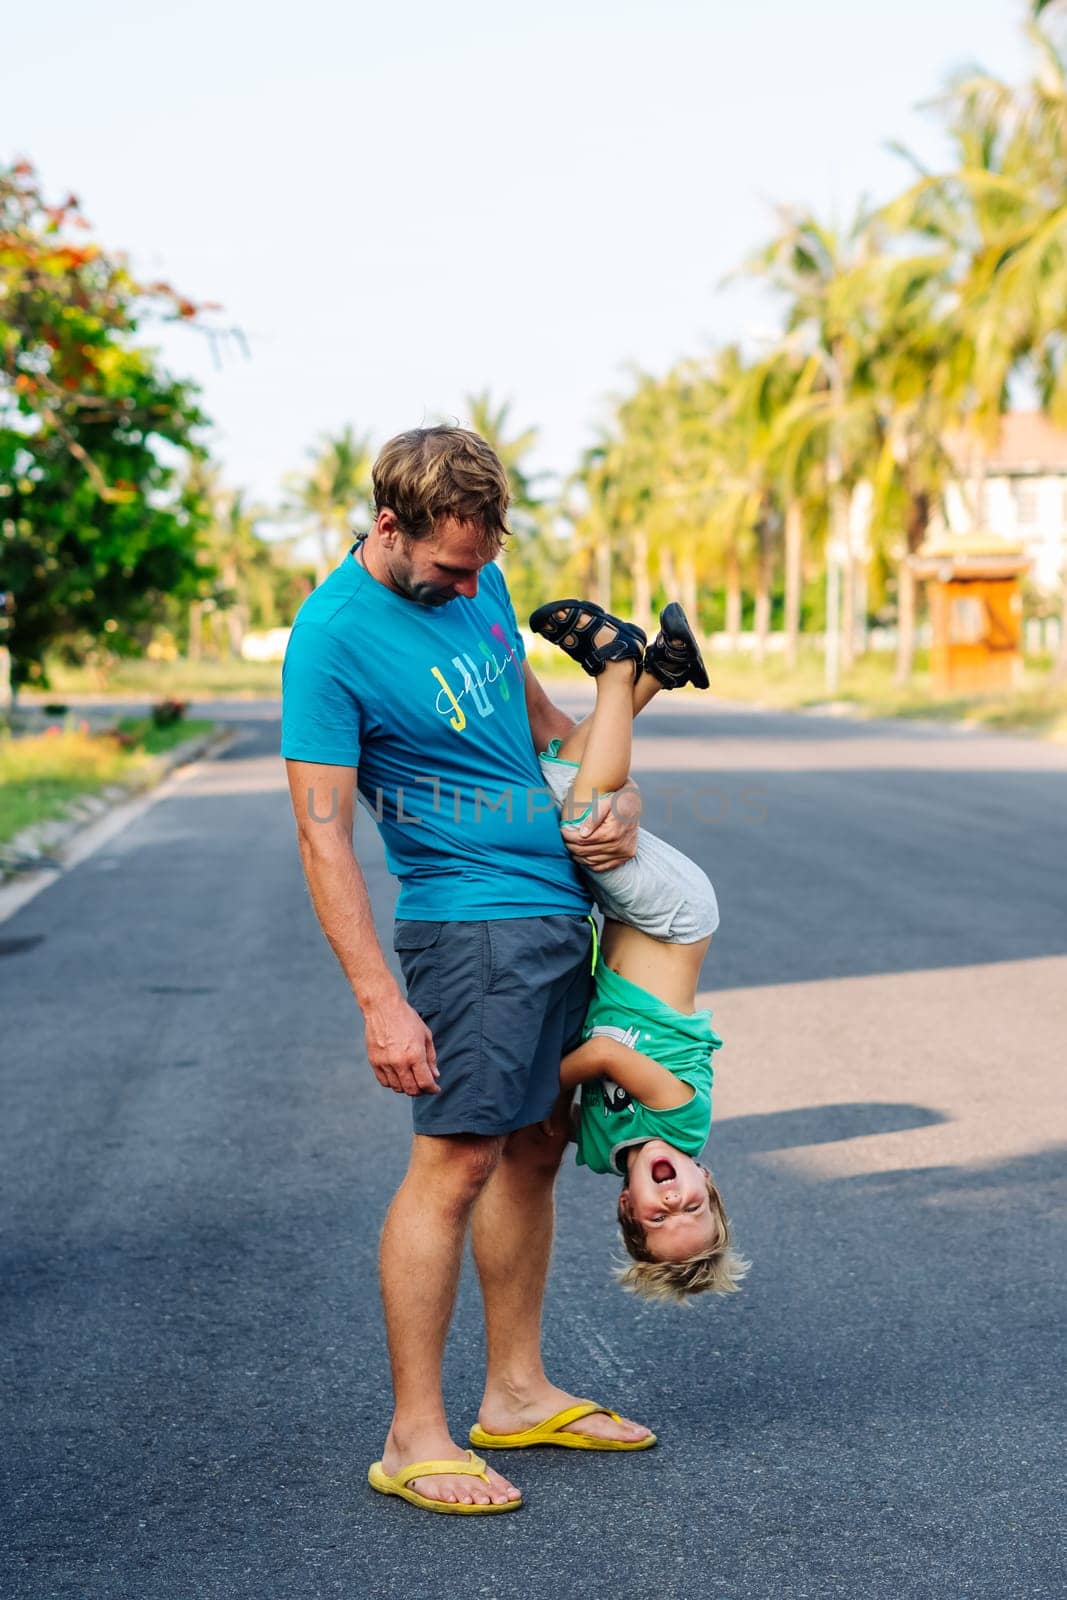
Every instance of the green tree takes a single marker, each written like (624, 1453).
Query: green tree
(534, 553)
(332, 495)
(1002, 211)
(96, 528)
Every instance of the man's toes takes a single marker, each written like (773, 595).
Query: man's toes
(634, 1430)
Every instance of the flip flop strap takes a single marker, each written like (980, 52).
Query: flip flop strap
(471, 1466)
(584, 1408)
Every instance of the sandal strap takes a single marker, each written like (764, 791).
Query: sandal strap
(470, 1466)
(670, 661)
(553, 627)
(574, 625)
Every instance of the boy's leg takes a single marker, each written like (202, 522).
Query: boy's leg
(421, 1250)
(645, 689)
(605, 761)
(572, 747)
(511, 1233)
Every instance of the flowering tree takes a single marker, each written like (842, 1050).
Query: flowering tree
(96, 528)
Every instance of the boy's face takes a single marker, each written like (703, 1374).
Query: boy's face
(667, 1193)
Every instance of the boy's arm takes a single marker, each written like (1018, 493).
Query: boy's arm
(645, 1079)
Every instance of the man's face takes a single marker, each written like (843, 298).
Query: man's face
(667, 1193)
(435, 570)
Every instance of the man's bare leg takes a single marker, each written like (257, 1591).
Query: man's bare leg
(511, 1232)
(421, 1251)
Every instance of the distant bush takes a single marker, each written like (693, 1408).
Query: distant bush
(166, 712)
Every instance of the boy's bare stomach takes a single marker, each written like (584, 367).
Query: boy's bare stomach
(669, 971)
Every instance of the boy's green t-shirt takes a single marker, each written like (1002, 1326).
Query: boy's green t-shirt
(609, 1120)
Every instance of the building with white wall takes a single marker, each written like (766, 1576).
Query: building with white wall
(1019, 493)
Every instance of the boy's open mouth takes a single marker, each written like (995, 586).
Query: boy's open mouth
(662, 1171)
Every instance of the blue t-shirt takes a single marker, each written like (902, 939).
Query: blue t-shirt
(429, 703)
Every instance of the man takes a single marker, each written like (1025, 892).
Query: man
(406, 673)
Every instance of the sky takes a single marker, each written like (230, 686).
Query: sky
(403, 205)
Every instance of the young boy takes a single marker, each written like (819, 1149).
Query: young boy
(643, 1071)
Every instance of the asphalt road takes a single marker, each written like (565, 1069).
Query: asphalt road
(196, 1160)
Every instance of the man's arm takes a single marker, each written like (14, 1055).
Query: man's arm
(609, 837)
(547, 722)
(399, 1044)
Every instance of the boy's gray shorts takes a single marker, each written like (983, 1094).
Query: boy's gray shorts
(659, 890)
(504, 1000)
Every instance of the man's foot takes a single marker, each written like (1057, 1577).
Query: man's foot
(506, 1414)
(435, 1445)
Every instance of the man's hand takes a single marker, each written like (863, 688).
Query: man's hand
(608, 837)
(400, 1048)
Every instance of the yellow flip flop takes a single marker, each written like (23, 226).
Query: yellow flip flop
(471, 1466)
(552, 1431)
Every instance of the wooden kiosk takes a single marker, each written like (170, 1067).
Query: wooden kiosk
(975, 611)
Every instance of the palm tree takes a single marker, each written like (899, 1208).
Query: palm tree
(534, 552)
(332, 494)
(1003, 210)
(491, 422)
(832, 318)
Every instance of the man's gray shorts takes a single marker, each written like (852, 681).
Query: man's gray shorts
(504, 1001)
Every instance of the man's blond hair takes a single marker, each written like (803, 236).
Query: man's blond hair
(716, 1270)
(429, 474)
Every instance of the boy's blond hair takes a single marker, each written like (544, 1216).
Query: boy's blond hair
(429, 474)
(718, 1270)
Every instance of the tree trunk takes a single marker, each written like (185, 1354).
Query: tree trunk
(905, 623)
(687, 582)
(235, 614)
(838, 566)
(733, 597)
(764, 579)
(603, 572)
(848, 609)
(668, 579)
(325, 562)
(196, 629)
(236, 625)
(918, 519)
(861, 591)
(832, 639)
(639, 572)
(794, 568)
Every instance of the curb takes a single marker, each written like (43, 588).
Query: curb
(41, 845)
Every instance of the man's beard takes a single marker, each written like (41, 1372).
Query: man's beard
(424, 594)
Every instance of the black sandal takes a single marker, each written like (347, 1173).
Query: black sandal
(574, 626)
(673, 657)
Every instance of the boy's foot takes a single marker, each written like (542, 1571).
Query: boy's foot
(453, 1490)
(589, 634)
(673, 657)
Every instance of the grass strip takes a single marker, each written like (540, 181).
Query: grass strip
(42, 776)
